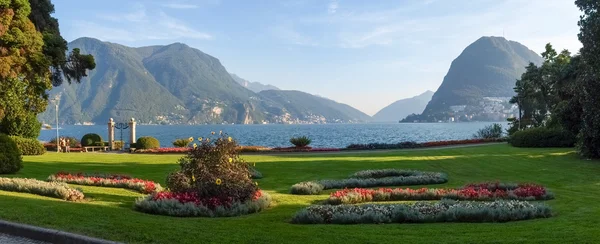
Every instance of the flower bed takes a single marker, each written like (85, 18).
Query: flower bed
(410, 145)
(165, 150)
(423, 212)
(118, 181)
(371, 178)
(188, 204)
(360, 195)
(304, 149)
(42, 188)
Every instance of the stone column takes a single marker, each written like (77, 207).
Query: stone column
(132, 138)
(111, 134)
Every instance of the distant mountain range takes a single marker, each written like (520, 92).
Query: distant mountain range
(253, 86)
(177, 84)
(479, 82)
(402, 108)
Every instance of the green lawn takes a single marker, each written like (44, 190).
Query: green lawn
(109, 214)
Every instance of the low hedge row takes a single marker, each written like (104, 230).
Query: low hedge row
(42, 188)
(118, 181)
(542, 137)
(423, 212)
(371, 178)
(29, 146)
(411, 144)
(188, 206)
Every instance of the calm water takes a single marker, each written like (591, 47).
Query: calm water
(328, 135)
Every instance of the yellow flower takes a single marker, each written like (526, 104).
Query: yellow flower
(193, 178)
(200, 139)
(230, 139)
(230, 160)
(191, 139)
(212, 132)
(256, 183)
(254, 164)
(195, 145)
(218, 182)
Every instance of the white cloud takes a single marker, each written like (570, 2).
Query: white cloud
(333, 6)
(180, 5)
(287, 33)
(180, 29)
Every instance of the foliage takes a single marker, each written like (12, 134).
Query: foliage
(213, 169)
(91, 139)
(118, 181)
(373, 146)
(361, 195)
(73, 142)
(246, 149)
(10, 157)
(181, 143)
(29, 146)
(542, 137)
(147, 142)
(188, 204)
(589, 24)
(423, 212)
(492, 131)
(301, 141)
(23, 126)
(163, 150)
(371, 178)
(33, 186)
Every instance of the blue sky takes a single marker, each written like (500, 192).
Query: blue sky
(367, 54)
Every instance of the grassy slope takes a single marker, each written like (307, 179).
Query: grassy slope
(575, 183)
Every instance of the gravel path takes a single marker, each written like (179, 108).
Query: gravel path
(6, 239)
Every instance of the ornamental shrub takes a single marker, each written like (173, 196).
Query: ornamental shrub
(29, 146)
(91, 139)
(302, 141)
(542, 137)
(10, 157)
(213, 169)
(181, 143)
(492, 131)
(147, 142)
(27, 126)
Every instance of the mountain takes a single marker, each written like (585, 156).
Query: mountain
(252, 86)
(172, 84)
(489, 67)
(301, 106)
(402, 108)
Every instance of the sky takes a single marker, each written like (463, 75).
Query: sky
(367, 54)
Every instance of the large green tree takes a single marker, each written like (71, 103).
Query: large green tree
(33, 57)
(589, 36)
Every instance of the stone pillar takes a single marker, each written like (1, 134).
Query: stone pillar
(132, 138)
(111, 134)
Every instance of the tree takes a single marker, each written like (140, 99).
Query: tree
(589, 24)
(32, 59)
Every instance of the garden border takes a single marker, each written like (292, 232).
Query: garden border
(48, 235)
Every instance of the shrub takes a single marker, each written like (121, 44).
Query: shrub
(27, 126)
(371, 178)
(423, 212)
(73, 142)
(492, 131)
(91, 139)
(118, 145)
(302, 141)
(147, 142)
(188, 204)
(542, 137)
(33, 186)
(214, 169)
(10, 157)
(373, 146)
(29, 146)
(181, 142)
(118, 181)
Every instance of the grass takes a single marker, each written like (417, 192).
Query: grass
(109, 214)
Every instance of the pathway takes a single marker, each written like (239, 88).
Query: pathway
(7, 239)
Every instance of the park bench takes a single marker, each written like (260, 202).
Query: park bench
(87, 149)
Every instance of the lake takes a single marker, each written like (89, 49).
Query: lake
(278, 135)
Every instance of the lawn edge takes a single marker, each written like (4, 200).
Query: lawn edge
(47, 235)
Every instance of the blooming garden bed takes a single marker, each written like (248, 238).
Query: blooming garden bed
(423, 212)
(469, 192)
(42, 188)
(107, 180)
(188, 204)
(371, 178)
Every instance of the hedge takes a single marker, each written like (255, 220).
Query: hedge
(28, 146)
(10, 157)
(147, 142)
(542, 137)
